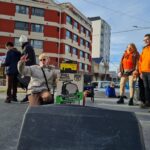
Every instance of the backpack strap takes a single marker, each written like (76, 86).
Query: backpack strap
(45, 78)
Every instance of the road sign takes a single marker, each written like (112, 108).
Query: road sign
(68, 67)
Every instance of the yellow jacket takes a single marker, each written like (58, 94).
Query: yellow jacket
(144, 61)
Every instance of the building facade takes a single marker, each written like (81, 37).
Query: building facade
(101, 39)
(100, 47)
(60, 30)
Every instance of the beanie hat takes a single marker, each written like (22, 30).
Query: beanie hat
(23, 39)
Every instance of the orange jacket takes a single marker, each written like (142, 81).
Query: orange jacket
(129, 61)
(144, 61)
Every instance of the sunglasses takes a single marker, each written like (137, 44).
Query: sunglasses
(42, 59)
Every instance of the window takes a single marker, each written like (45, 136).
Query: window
(22, 9)
(74, 50)
(86, 67)
(87, 44)
(67, 49)
(82, 29)
(75, 37)
(21, 25)
(102, 43)
(17, 43)
(37, 44)
(81, 41)
(75, 25)
(81, 54)
(87, 33)
(81, 66)
(68, 34)
(36, 28)
(69, 19)
(38, 12)
(86, 55)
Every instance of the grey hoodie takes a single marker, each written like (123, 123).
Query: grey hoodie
(37, 82)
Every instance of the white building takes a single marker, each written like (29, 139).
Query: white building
(101, 39)
(100, 48)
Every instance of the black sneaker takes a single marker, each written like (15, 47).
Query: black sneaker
(131, 102)
(14, 100)
(8, 100)
(121, 100)
(143, 106)
(147, 104)
(25, 100)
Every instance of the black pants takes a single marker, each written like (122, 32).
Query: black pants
(146, 80)
(11, 86)
(141, 90)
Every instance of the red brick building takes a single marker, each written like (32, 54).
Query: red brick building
(60, 30)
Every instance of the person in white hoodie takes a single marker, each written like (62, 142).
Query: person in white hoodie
(43, 79)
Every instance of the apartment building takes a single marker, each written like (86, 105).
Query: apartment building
(101, 39)
(100, 47)
(60, 30)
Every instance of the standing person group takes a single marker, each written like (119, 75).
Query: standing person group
(133, 66)
(41, 78)
(11, 61)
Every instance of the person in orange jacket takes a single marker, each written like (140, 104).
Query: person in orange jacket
(144, 68)
(128, 70)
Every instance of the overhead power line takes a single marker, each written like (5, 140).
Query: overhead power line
(131, 30)
(144, 28)
(116, 11)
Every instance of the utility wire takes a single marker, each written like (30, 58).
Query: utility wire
(131, 30)
(115, 11)
(144, 28)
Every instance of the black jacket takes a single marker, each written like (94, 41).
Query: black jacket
(28, 49)
(11, 61)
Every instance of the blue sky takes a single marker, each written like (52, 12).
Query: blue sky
(121, 16)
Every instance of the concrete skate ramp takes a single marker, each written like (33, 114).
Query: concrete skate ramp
(63, 127)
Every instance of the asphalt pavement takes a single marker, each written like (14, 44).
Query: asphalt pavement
(11, 116)
(142, 115)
